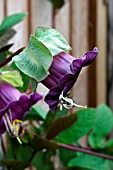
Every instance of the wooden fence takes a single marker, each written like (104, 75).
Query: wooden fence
(82, 23)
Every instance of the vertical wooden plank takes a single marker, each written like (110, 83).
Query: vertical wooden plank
(97, 37)
(101, 44)
(62, 21)
(92, 40)
(21, 38)
(79, 43)
(41, 12)
(110, 54)
(79, 32)
(41, 16)
(2, 10)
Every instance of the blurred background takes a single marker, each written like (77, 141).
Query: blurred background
(84, 24)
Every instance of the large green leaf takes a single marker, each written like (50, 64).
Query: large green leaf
(90, 162)
(102, 126)
(34, 60)
(10, 21)
(60, 125)
(12, 77)
(81, 127)
(52, 39)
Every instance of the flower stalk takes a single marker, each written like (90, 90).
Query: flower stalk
(7, 60)
(74, 148)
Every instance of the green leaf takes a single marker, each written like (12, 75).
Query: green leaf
(81, 127)
(72, 168)
(17, 151)
(6, 37)
(15, 164)
(60, 125)
(89, 162)
(110, 164)
(36, 113)
(109, 144)
(21, 152)
(33, 84)
(51, 116)
(5, 48)
(34, 60)
(12, 77)
(42, 161)
(52, 39)
(65, 155)
(3, 56)
(102, 126)
(58, 3)
(39, 143)
(10, 21)
(25, 78)
(4, 52)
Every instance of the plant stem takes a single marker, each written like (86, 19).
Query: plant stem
(74, 148)
(7, 60)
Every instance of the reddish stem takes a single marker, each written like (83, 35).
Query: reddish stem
(7, 60)
(74, 148)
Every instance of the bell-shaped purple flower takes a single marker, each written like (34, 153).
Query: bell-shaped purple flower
(13, 107)
(64, 72)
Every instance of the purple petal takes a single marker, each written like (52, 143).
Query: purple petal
(59, 68)
(52, 98)
(15, 102)
(7, 94)
(64, 72)
(88, 58)
(19, 107)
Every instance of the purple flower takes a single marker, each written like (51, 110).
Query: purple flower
(13, 106)
(64, 72)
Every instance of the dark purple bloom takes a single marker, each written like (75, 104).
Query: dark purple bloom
(13, 106)
(64, 72)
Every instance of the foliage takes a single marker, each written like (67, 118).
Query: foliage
(7, 32)
(42, 132)
(58, 3)
(47, 43)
